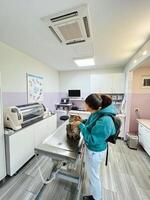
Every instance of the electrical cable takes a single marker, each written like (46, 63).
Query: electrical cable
(53, 177)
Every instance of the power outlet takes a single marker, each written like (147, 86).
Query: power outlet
(136, 109)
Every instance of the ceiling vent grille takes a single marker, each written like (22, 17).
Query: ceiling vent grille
(75, 42)
(53, 31)
(63, 17)
(86, 24)
(70, 27)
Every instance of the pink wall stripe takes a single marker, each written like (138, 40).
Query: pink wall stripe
(18, 98)
(142, 102)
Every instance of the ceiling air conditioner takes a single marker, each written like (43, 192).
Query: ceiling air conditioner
(70, 27)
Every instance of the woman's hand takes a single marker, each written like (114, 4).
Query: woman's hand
(76, 123)
(77, 118)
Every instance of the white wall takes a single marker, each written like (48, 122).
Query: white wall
(139, 58)
(81, 79)
(75, 80)
(13, 67)
(132, 65)
(136, 61)
(137, 87)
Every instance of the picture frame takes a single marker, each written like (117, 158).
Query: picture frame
(34, 88)
(146, 81)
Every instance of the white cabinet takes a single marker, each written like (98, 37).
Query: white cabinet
(101, 83)
(107, 83)
(21, 144)
(118, 83)
(44, 128)
(40, 130)
(51, 125)
(2, 158)
(2, 145)
(19, 149)
(144, 137)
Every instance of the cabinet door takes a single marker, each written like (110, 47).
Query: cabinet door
(44, 128)
(146, 141)
(2, 158)
(20, 147)
(118, 82)
(51, 124)
(40, 132)
(101, 83)
(2, 145)
(144, 137)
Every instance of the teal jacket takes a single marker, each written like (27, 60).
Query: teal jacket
(97, 129)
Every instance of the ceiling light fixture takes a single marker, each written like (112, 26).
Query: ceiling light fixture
(144, 53)
(84, 62)
(135, 61)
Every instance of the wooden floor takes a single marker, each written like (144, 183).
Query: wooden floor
(127, 177)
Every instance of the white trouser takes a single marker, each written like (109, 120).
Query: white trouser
(93, 162)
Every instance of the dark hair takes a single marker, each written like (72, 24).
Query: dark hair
(95, 101)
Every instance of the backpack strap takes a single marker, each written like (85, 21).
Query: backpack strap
(103, 115)
(109, 115)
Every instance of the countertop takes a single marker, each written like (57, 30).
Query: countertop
(144, 122)
(85, 112)
(79, 112)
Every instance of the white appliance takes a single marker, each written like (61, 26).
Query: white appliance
(20, 144)
(17, 117)
(2, 145)
(13, 118)
(70, 26)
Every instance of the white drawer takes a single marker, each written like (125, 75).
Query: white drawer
(143, 129)
(140, 139)
(144, 137)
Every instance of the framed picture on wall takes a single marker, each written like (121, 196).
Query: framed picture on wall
(34, 88)
(146, 81)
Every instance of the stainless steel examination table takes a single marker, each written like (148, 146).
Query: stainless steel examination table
(66, 156)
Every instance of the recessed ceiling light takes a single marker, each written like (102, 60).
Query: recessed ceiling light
(144, 53)
(84, 62)
(135, 61)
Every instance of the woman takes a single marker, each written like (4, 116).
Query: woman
(95, 130)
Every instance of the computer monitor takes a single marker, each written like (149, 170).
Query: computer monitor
(64, 100)
(74, 93)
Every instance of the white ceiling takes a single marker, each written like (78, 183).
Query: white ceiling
(145, 63)
(119, 28)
